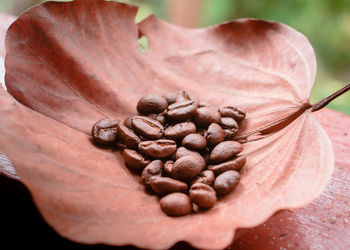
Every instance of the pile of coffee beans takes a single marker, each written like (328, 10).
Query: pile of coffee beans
(183, 149)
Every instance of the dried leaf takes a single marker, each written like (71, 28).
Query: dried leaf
(73, 63)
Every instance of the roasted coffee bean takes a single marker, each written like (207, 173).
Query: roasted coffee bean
(147, 127)
(128, 137)
(187, 167)
(181, 111)
(233, 112)
(230, 127)
(203, 195)
(206, 177)
(151, 104)
(224, 151)
(234, 164)
(127, 122)
(229, 134)
(158, 117)
(176, 204)
(184, 96)
(170, 97)
(165, 185)
(155, 168)
(134, 160)
(194, 142)
(215, 135)
(182, 151)
(179, 131)
(161, 148)
(226, 182)
(200, 131)
(229, 123)
(105, 131)
(204, 116)
(168, 166)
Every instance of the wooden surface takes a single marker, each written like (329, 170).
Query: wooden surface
(323, 224)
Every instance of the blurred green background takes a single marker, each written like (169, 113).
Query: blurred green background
(326, 23)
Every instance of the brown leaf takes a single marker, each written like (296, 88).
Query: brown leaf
(73, 63)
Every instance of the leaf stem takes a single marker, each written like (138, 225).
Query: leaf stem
(319, 105)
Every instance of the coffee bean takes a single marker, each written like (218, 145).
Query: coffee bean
(165, 185)
(204, 116)
(226, 182)
(233, 112)
(158, 117)
(230, 127)
(151, 104)
(234, 164)
(155, 168)
(224, 151)
(127, 122)
(179, 131)
(168, 166)
(176, 204)
(203, 195)
(147, 127)
(105, 131)
(184, 96)
(170, 97)
(206, 177)
(215, 135)
(128, 137)
(161, 148)
(229, 123)
(134, 160)
(200, 131)
(229, 134)
(187, 167)
(182, 151)
(194, 142)
(181, 111)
